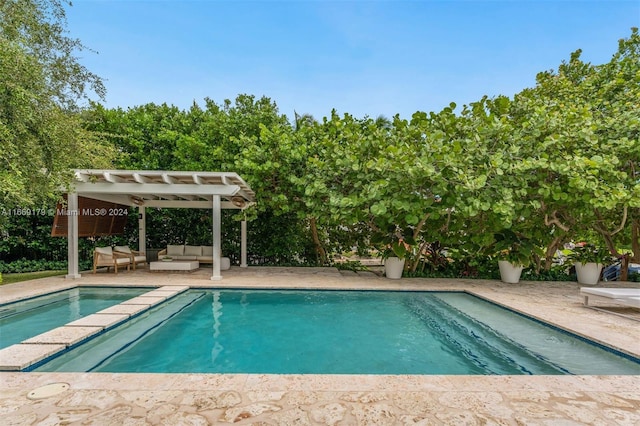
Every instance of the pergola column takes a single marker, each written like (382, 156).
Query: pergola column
(142, 229)
(243, 244)
(72, 235)
(216, 238)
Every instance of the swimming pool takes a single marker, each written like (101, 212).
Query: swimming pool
(24, 319)
(338, 332)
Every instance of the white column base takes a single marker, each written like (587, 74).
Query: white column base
(216, 277)
(72, 276)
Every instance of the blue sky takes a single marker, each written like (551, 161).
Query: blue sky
(359, 57)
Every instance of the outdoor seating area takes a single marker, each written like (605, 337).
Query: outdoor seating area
(138, 189)
(118, 256)
(173, 258)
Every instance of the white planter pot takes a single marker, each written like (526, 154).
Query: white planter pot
(393, 268)
(588, 273)
(509, 273)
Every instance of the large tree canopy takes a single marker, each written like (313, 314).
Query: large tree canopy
(42, 83)
(556, 162)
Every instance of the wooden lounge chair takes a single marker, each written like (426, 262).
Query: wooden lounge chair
(135, 257)
(105, 256)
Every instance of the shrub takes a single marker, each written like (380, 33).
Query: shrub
(24, 265)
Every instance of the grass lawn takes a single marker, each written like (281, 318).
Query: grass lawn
(25, 276)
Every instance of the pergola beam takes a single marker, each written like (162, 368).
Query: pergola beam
(177, 204)
(169, 202)
(156, 188)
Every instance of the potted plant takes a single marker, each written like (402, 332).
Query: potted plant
(514, 253)
(394, 249)
(394, 258)
(511, 266)
(588, 261)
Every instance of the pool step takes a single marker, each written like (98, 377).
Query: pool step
(20, 356)
(38, 348)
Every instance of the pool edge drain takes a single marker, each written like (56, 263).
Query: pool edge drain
(49, 390)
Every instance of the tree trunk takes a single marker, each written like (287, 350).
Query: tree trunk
(320, 252)
(413, 264)
(635, 239)
(550, 253)
(608, 239)
(624, 268)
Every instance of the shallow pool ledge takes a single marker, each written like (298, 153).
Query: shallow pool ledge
(38, 348)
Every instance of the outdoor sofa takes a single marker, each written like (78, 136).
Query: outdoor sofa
(203, 254)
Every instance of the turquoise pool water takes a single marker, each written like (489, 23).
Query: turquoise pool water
(336, 332)
(24, 319)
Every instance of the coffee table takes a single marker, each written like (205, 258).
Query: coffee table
(174, 265)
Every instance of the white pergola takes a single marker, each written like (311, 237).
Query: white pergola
(164, 189)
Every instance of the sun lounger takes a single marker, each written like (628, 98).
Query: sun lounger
(626, 296)
(632, 301)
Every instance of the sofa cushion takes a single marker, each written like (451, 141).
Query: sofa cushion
(122, 249)
(192, 250)
(175, 250)
(104, 250)
(207, 250)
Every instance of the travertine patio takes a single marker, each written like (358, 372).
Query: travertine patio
(106, 398)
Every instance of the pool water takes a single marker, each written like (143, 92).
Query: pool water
(24, 319)
(338, 332)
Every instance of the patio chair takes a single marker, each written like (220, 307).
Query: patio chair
(135, 257)
(105, 256)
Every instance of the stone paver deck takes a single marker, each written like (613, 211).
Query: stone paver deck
(114, 398)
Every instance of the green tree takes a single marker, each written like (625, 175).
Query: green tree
(580, 146)
(42, 84)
